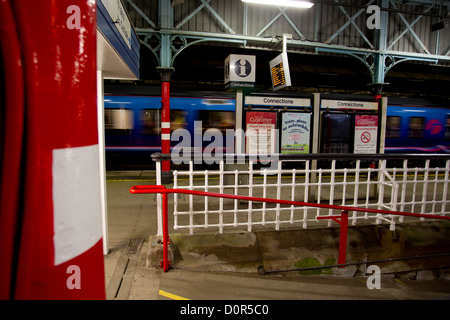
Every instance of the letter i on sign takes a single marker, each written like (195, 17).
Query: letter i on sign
(242, 67)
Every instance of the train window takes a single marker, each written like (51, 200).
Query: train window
(118, 121)
(447, 129)
(150, 121)
(221, 120)
(178, 119)
(416, 127)
(393, 127)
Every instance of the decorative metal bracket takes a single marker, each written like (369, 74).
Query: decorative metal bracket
(176, 44)
(378, 63)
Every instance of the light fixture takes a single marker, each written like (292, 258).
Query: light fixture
(444, 22)
(440, 25)
(283, 3)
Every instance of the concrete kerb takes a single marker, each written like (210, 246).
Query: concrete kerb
(299, 248)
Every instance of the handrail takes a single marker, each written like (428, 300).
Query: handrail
(235, 157)
(342, 219)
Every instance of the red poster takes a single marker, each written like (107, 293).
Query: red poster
(366, 131)
(260, 132)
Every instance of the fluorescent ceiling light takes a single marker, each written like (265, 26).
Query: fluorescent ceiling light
(283, 3)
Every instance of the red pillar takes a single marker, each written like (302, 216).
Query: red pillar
(166, 176)
(11, 142)
(59, 252)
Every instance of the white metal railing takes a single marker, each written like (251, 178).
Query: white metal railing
(363, 181)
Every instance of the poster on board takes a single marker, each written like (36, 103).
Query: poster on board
(295, 132)
(260, 132)
(366, 132)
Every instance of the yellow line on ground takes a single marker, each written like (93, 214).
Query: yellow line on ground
(170, 295)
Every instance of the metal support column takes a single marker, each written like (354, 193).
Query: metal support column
(165, 70)
(315, 144)
(379, 63)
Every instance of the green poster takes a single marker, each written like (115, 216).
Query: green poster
(295, 132)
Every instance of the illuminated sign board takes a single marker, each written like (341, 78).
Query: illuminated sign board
(279, 72)
(240, 71)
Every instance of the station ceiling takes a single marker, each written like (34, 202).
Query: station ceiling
(330, 24)
(201, 68)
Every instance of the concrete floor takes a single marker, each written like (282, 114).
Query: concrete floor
(134, 217)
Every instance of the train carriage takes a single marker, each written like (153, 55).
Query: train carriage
(417, 129)
(133, 123)
(133, 132)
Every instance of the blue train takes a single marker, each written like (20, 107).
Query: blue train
(132, 124)
(417, 129)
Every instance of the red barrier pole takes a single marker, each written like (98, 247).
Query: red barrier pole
(341, 219)
(343, 237)
(343, 222)
(161, 189)
(166, 262)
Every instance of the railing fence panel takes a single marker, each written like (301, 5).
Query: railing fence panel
(345, 180)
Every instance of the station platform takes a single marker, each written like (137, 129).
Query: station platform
(212, 266)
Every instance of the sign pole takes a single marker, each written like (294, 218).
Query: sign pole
(239, 143)
(240, 73)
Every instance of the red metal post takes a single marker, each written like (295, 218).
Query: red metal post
(166, 262)
(343, 222)
(343, 238)
(165, 73)
(165, 123)
(341, 219)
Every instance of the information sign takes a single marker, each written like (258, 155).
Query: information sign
(366, 132)
(344, 104)
(118, 14)
(277, 101)
(279, 72)
(240, 71)
(260, 132)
